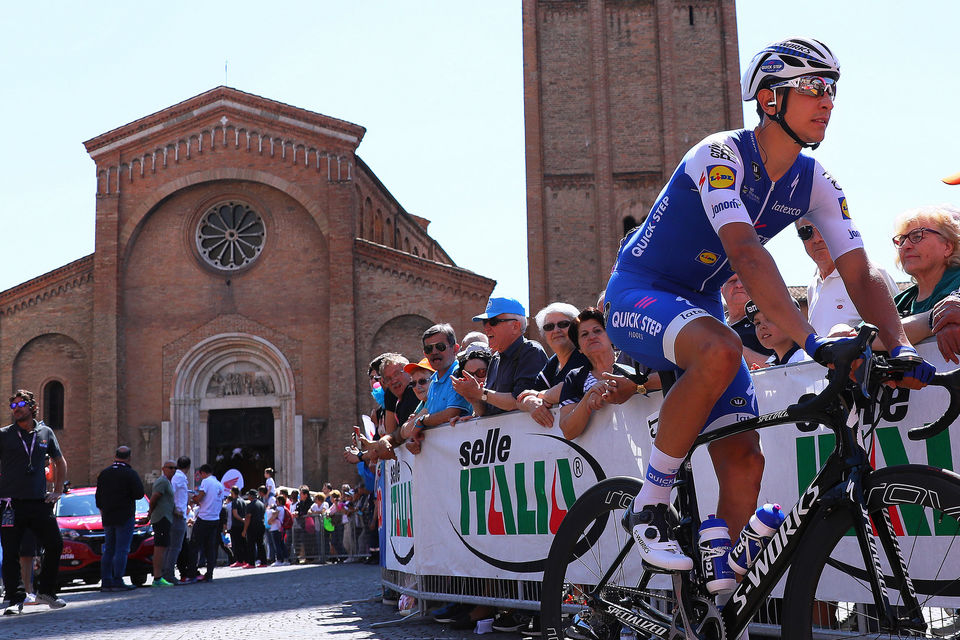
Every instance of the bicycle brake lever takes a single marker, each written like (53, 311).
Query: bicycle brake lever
(843, 354)
(950, 382)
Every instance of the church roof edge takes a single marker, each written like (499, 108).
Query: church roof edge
(225, 96)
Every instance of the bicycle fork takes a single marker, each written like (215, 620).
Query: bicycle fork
(889, 620)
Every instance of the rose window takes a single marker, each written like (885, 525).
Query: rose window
(230, 236)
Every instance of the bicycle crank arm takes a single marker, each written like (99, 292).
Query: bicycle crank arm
(694, 623)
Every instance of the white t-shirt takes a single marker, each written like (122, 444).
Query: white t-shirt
(271, 487)
(180, 487)
(281, 514)
(212, 499)
(829, 303)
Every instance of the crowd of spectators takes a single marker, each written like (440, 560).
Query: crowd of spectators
(489, 373)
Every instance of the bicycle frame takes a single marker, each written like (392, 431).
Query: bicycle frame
(839, 484)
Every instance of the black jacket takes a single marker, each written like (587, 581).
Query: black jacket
(118, 489)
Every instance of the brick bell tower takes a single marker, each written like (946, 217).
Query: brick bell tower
(615, 92)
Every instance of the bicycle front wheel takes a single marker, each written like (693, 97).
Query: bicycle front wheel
(592, 557)
(828, 592)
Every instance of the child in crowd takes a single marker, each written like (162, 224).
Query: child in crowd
(772, 337)
(269, 483)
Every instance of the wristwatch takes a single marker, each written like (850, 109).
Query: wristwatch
(641, 389)
(483, 396)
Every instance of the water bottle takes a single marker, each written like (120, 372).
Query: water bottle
(714, 550)
(755, 536)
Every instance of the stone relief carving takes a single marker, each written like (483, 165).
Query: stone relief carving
(231, 382)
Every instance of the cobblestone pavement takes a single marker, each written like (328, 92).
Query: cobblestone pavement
(306, 601)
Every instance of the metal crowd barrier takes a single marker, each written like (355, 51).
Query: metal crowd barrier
(318, 545)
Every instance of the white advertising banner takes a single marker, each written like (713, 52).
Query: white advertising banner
(484, 498)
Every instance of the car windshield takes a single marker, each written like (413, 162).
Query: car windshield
(75, 505)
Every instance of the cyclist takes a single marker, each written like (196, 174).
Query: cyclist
(730, 194)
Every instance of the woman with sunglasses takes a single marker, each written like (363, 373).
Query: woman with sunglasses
(420, 374)
(731, 193)
(582, 391)
(928, 249)
(554, 322)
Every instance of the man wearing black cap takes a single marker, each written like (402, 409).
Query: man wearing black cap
(253, 530)
(785, 350)
(24, 447)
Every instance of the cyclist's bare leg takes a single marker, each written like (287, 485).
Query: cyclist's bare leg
(710, 355)
(709, 352)
(739, 465)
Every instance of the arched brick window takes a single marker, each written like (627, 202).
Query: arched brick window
(53, 404)
(378, 227)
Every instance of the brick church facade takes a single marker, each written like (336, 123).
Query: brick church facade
(248, 264)
(615, 92)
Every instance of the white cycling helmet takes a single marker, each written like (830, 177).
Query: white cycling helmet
(785, 60)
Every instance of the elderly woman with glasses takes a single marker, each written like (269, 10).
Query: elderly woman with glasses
(928, 249)
(554, 322)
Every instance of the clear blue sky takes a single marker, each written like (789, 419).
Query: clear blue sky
(439, 87)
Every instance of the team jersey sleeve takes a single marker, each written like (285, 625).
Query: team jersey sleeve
(829, 212)
(716, 168)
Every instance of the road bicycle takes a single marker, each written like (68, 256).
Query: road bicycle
(593, 589)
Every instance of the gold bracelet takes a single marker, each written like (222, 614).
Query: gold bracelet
(641, 389)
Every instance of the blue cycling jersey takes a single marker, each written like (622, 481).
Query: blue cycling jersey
(722, 180)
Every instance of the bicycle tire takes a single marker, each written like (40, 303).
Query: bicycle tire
(576, 547)
(904, 493)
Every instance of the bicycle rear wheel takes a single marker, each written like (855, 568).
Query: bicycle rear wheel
(589, 545)
(829, 578)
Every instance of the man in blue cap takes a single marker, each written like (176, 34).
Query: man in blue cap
(516, 365)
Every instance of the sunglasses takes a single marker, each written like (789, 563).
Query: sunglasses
(914, 236)
(169, 467)
(805, 232)
(440, 347)
(422, 382)
(495, 321)
(563, 324)
(478, 373)
(816, 86)
(21, 403)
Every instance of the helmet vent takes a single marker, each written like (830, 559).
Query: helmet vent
(793, 62)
